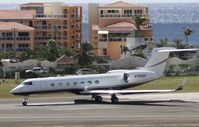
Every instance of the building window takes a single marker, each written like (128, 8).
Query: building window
(104, 51)
(23, 47)
(113, 11)
(145, 39)
(23, 34)
(8, 34)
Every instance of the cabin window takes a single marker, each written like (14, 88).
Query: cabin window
(96, 82)
(75, 83)
(82, 83)
(27, 83)
(60, 84)
(52, 84)
(89, 82)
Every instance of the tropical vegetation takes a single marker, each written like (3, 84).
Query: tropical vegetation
(187, 32)
(84, 55)
(139, 21)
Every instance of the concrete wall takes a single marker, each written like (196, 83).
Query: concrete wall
(128, 63)
(131, 62)
(28, 64)
(192, 63)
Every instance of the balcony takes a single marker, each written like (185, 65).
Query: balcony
(43, 37)
(121, 15)
(13, 49)
(22, 49)
(6, 38)
(49, 37)
(112, 39)
(6, 49)
(44, 27)
(21, 38)
(43, 16)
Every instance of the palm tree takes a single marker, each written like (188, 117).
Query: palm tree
(187, 31)
(124, 49)
(163, 42)
(53, 50)
(178, 43)
(139, 21)
(27, 54)
(84, 58)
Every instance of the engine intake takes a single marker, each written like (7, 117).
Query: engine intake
(126, 77)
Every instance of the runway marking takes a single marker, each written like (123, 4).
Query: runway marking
(86, 108)
(84, 116)
(152, 125)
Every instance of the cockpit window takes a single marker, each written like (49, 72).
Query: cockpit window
(27, 83)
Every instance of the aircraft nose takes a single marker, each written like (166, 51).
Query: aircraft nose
(16, 90)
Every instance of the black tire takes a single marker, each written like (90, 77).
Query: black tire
(114, 100)
(24, 103)
(98, 99)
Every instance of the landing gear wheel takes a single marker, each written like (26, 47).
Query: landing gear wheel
(24, 103)
(114, 99)
(98, 99)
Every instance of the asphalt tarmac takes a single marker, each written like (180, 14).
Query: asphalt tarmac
(151, 110)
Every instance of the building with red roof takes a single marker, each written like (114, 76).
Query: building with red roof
(56, 20)
(111, 25)
(16, 37)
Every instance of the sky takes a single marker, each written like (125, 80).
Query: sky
(101, 1)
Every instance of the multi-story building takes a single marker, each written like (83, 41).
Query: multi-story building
(56, 21)
(16, 37)
(112, 26)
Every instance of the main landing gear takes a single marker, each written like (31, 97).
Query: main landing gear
(98, 99)
(114, 98)
(24, 102)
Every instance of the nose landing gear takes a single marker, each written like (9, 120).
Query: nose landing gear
(24, 102)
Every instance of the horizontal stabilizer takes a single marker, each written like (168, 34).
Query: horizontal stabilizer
(178, 50)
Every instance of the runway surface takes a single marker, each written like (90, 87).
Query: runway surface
(152, 110)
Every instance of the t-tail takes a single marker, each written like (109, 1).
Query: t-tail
(158, 59)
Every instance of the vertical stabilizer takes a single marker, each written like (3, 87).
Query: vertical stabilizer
(157, 61)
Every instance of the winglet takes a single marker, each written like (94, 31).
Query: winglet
(182, 84)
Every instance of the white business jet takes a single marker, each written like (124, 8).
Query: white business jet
(113, 82)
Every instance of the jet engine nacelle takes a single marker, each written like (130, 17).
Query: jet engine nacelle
(126, 77)
(137, 76)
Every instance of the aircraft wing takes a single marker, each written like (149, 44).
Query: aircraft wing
(180, 87)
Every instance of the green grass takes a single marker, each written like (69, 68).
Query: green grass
(192, 84)
(5, 88)
(162, 83)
